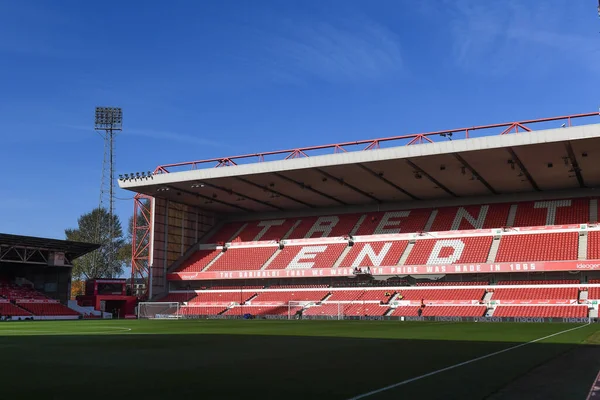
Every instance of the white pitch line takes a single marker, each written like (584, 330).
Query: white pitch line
(395, 385)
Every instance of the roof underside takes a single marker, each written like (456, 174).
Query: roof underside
(73, 250)
(544, 160)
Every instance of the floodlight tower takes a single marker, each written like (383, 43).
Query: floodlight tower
(109, 121)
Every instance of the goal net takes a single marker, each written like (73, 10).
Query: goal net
(155, 310)
(294, 308)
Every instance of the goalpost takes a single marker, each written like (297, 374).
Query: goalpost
(157, 310)
(294, 306)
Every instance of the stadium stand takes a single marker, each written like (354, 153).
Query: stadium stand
(528, 214)
(542, 311)
(454, 311)
(593, 252)
(536, 294)
(541, 282)
(474, 283)
(242, 259)
(554, 212)
(442, 295)
(201, 310)
(179, 297)
(15, 292)
(474, 238)
(443, 251)
(199, 260)
(538, 247)
(263, 310)
(471, 217)
(318, 256)
(594, 293)
(11, 310)
(245, 287)
(382, 296)
(316, 286)
(366, 254)
(284, 297)
(207, 297)
(47, 309)
(328, 226)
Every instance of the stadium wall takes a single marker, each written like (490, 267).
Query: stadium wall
(176, 228)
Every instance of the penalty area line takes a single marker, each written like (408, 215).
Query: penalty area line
(439, 371)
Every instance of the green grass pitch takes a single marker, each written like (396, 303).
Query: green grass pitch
(260, 359)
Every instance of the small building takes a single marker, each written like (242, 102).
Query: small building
(108, 295)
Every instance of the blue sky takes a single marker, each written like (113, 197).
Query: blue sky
(205, 79)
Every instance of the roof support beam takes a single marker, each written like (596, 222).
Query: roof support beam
(256, 185)
(313, 190)
(264, 203)
(349, 186)
(387, 181)
(575, 164)
(524, 170)
(431, 178)
(476, 175)
(209, 198)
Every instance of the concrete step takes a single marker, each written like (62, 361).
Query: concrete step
(430, 221)
(512, 213)
(494, 249)
(594, 210)
(406, 253)
(213, 261)
(583, 246)
(270, 260)
(342, 256)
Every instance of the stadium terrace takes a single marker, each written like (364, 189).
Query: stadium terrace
(490, 222)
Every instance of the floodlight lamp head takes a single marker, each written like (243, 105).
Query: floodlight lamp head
(108, 118)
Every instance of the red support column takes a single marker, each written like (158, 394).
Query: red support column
(141, 241)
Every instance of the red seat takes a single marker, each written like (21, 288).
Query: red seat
(48, 309)
(454, 311)
(10, 310)
(442, 295)
(243, 259)
(462, 250)
(315, 256)
(538, 247)
(201, 310)
(542, 311)
(198, 261)
(552, 212)
(292, 295)
(536, 294)
(380, 254)
(593, 252)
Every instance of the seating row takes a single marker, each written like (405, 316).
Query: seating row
(539, 213)
(464, 250)
(48, 309)
(439, 295)
(15, 292)
(542, 311)
(369, 309)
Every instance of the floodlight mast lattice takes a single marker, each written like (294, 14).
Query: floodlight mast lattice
(108, 121)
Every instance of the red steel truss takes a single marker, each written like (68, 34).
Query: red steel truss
(371, 144)
(141, 242)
